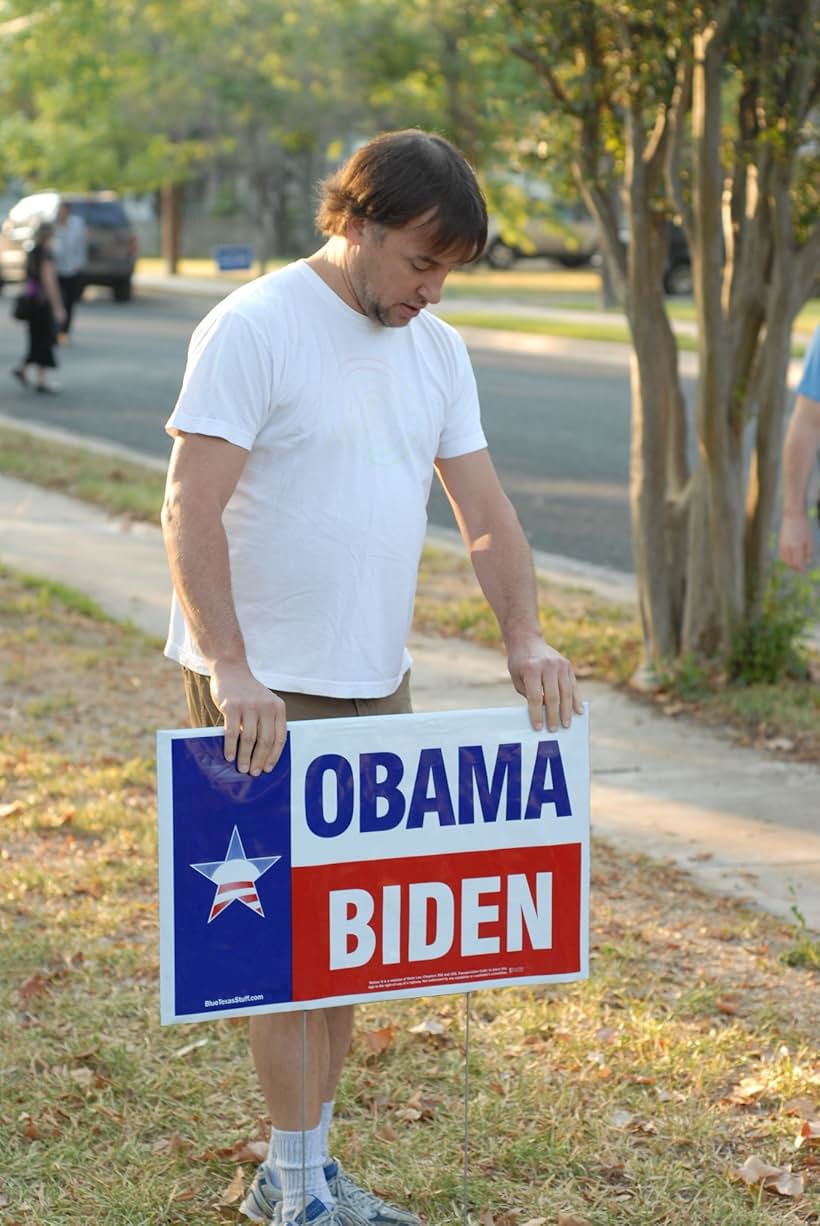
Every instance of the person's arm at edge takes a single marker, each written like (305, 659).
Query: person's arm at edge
(502, 561)
(202, 475)
(799, 458)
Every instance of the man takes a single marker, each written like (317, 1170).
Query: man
(315, 405)
(797, 531)
(70, 250)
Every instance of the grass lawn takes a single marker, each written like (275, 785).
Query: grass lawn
(634, 1099)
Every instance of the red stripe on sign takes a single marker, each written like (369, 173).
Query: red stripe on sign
(376, 926)
(234, 885)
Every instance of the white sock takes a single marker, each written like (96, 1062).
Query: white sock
(298, 1160)
(324, 1124)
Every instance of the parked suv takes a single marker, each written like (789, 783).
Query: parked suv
(112, 243)
(567, 235)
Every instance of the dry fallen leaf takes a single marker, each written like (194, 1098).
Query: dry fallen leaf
(11, 810)
(35, 985)
(430, 1026)
(378, 1041)
(425, 1106)
(234, 1191)
(189, 1047)
(724, 1005)
(748, 1090)
(809, 1134)
(572, 1219)
(806, 1108)
(773, 1178)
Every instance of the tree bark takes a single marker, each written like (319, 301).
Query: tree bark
(170, 225)
(653, 372)
(714, 589)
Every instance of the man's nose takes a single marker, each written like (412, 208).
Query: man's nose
(433, 284)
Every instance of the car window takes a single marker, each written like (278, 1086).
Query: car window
(104, 213)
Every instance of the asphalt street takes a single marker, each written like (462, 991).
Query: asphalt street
(557, 425)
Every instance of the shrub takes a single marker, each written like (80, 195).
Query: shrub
(769, 645)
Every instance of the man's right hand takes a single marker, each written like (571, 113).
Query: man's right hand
(255, 718)
(796, 541)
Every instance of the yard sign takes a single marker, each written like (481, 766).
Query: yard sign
(385, 856)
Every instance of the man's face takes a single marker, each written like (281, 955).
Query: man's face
(393, 272)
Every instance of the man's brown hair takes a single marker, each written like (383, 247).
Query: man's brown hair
(400, 176)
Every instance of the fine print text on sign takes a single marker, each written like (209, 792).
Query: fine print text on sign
(402, 855)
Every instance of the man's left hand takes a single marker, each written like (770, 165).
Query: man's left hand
(546, 679)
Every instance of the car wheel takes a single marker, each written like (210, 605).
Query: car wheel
(678, 279)
(122, 289)
(500, 255)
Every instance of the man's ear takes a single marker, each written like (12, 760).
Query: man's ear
(354, 230)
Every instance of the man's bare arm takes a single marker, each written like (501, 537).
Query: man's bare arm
(799, 458)
(201, 478)
(502, 562)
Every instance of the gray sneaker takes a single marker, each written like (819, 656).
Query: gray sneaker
(263, 1197)
(314, 1214)
(360, 1207)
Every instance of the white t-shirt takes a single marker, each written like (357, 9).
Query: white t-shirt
(343, 419)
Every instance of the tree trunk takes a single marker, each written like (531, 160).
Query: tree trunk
(714, 588)
(170, 224)
(653, 373)
(769, 390)
(609, 294)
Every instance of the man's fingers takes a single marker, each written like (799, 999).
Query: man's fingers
(255, 723)
(247, 744)
(233, 728)
(278, 742)
(270, 740)
(535, 704)
(552, 689)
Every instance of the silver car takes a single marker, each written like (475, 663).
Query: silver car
(111, 241)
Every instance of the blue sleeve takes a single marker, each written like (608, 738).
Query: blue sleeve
(809, 384)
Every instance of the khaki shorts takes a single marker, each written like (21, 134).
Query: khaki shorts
(203, 713)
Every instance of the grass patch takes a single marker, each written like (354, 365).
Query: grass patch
(123, 486)
(505, 322)
(584, 331)
(602, 640)
(629, 1100)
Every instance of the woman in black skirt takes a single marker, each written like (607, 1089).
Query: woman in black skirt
(47, 313)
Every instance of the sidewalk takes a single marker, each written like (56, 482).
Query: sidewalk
(740, 822)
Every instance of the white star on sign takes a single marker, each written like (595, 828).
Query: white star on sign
(235, 877)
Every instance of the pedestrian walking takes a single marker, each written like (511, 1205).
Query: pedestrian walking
(316, 405)
(45, 314)
(71, 253)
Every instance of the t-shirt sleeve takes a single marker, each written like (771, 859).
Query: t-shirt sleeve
(227, 389)
(462, 432)
(809, 384)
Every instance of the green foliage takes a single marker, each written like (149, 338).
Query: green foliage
(686, 678)
(767, 646)
(805, 949)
